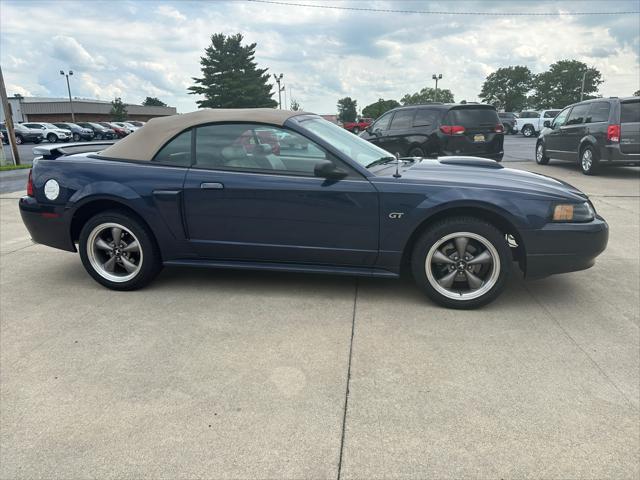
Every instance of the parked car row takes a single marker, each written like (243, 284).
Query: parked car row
(36, 132)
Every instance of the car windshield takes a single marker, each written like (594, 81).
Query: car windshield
(50, 125)
(354, 147)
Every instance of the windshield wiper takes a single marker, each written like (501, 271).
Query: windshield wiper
(381, 161)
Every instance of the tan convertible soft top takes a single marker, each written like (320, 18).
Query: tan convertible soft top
(144, 143)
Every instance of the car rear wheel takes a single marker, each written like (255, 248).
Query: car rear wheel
(528, 131)
(416, 152)
(541, 154)
(76, 137)
(461, 262)
(19, 140)
(589, 161)
(118, 251)
(52, 138)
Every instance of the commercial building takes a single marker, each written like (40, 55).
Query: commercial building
(41, 109)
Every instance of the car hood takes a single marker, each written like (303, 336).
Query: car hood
(483, 173)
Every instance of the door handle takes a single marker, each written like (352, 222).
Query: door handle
(212, 185)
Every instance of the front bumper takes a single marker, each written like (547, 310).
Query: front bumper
(47, 224)
(563, 247)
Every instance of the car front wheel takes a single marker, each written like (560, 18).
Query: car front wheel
(461, 262)
(416, 152)
(19, 140)
(541, 155)
(52, 138)
(118, 251)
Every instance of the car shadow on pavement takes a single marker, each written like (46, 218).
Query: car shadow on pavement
(608, 172)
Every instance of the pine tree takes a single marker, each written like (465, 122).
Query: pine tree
(230, 77)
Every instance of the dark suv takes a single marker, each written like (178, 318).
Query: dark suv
(593, 133)
(436, 130)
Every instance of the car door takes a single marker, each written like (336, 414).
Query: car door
(553, 138)
(397, 139)
(257, 205)
(573, 131)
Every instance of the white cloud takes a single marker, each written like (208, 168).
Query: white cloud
(170, 12)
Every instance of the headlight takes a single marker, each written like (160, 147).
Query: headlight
(573, 212)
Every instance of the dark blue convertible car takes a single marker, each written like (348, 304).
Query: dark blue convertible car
(278, 190)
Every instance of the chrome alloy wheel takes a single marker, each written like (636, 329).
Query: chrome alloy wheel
(587, 159)
(462, 266)
(540, 153)
(114, 252)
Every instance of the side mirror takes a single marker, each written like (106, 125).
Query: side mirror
(327, 169)
(547, 124)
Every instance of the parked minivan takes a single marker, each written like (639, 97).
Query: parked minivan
(593, 133)
(435, 130)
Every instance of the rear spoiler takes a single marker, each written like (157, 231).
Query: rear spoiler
(51, 152)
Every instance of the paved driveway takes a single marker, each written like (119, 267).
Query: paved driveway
(223, 374)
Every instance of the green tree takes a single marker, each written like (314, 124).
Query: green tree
(347, 109)
(637, 93)
(153, 102)
(427, 95)
(376, 109)
(508, 88)
(230, 76)
(295, 106)
(560, 85)
(118, 110)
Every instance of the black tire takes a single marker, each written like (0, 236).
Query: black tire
(437, 233)
(97, 137)
(19, 140)
(416, 152)
(541, 154)
(76, 137)
(528, 131)
(52, 138)
(37, 141)
(149, 257)
(589, 166)
(356, 130)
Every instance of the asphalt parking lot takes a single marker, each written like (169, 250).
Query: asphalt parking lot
(227, 374)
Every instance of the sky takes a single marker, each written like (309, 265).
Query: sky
(134, 49)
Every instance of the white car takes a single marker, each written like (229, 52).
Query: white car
(52, 133)
(531, 122)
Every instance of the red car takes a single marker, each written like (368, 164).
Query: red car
(265, 137)
(120, 132)
(359, 125)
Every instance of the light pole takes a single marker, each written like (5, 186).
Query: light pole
(278, 79)
(62, 72)
(436, 77)
(584, 77)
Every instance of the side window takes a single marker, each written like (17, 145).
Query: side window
(382, 123)
(561, 118)
(257, 148)
(599, 112)
(177, 152)
(578, 114)
(630, 112)
(551, 113)
(424, 117)
(403, 119)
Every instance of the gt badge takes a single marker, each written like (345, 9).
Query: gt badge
(396, 215)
